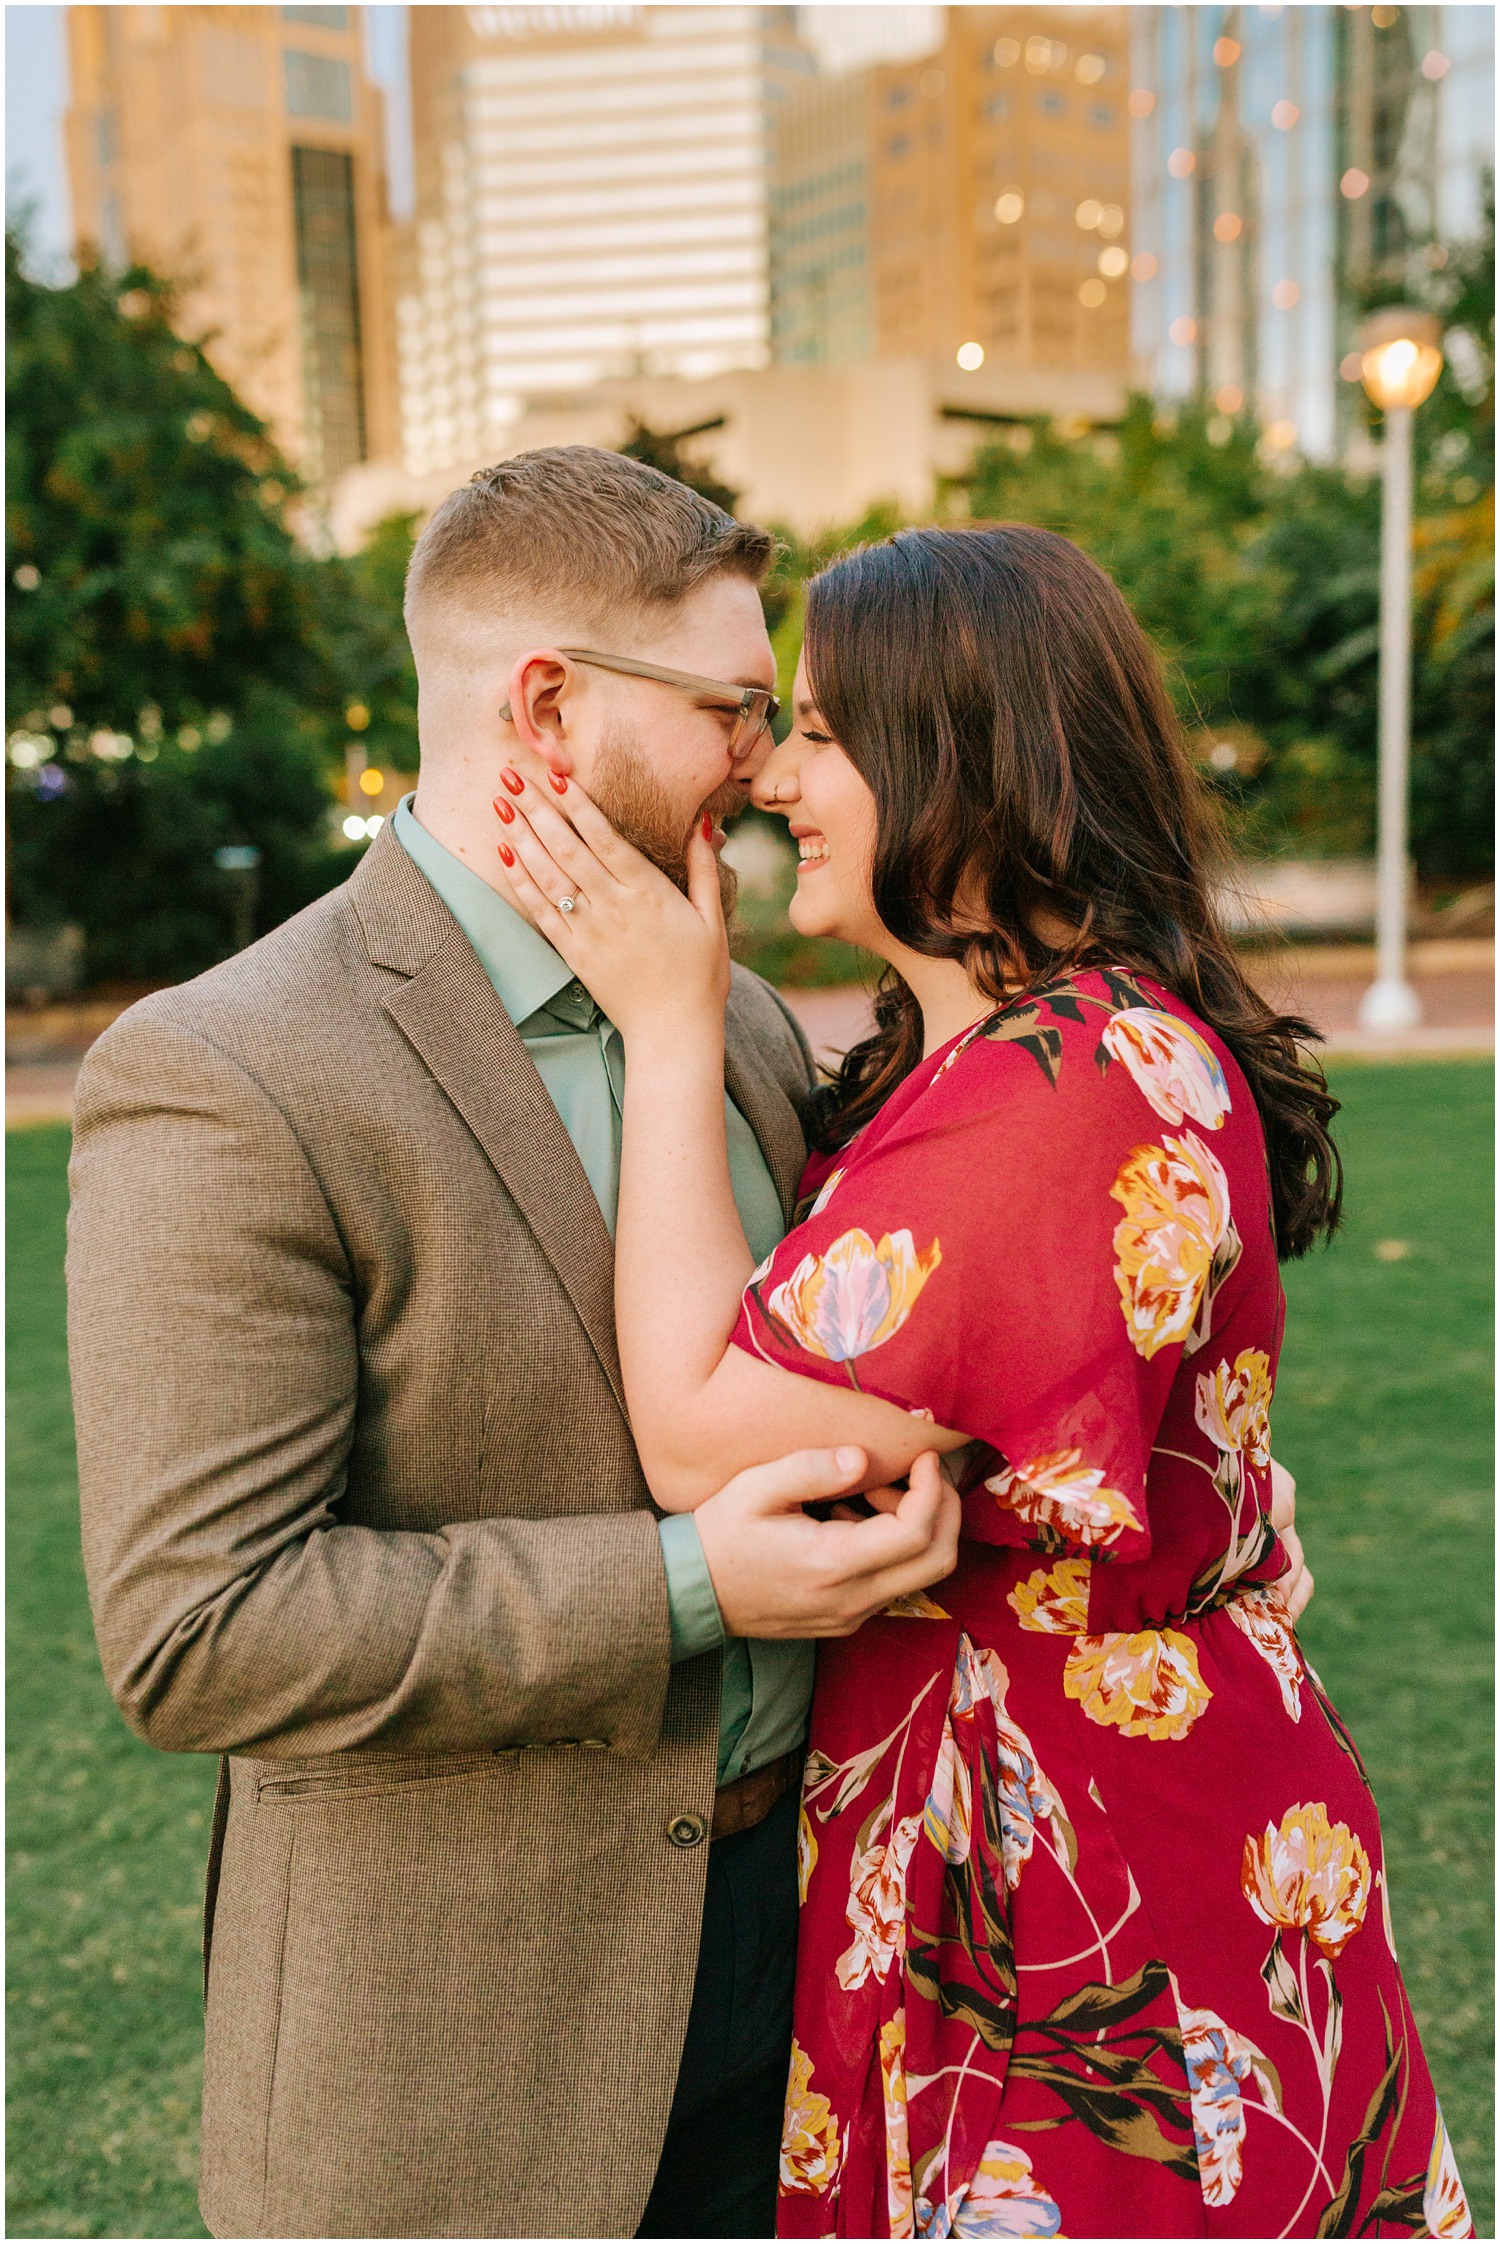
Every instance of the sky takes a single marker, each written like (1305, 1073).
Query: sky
(36, 94)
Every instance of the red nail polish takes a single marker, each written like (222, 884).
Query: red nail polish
(708, 827)
(507, 856)
(504, 811)
(558, 784)
(512, 780)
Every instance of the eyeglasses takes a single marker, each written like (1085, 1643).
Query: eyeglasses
(754, 706)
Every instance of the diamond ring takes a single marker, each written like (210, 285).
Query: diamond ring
(566, 903)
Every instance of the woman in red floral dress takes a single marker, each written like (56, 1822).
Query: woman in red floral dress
(1096, 1937)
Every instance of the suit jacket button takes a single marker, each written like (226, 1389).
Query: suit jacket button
(687, 1831)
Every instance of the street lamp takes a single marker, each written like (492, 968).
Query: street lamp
(241, 862)
(1399, 362)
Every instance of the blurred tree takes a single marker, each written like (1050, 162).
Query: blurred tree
(659, 449)
(1167, 503)
(171, 686)
(1259, 583)
(365, 640)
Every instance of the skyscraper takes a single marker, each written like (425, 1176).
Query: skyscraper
(1286, 160)
(972, 204)
(590, 202)
(240, 150)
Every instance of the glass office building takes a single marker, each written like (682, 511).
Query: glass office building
(1283, 160)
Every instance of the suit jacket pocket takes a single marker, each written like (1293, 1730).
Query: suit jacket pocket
(342, 1776)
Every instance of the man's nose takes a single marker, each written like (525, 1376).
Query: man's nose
(748, 756)
(773, 774)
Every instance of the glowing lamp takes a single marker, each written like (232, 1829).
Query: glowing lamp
(1400, 358)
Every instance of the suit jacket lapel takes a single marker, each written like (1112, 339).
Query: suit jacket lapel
(767, 1109)
(448, 1012)
(450, 1015)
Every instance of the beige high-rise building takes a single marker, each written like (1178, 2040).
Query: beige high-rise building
(241, 151)
(970, 205)
(590, 203)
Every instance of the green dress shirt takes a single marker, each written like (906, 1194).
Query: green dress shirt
(580, 1057)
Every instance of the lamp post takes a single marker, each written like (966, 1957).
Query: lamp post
(1399, 364)
(241, 862)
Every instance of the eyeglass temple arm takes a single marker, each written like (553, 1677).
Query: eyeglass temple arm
(633, 669)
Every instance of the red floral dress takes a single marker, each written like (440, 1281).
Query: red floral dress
(1095, 1936)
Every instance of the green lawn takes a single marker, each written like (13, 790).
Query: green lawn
(1383, 1412)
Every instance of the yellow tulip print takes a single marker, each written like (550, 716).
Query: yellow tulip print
(1175, 1240)
(810, 2144)
(1145, 1685)
(842, 1304)
(1055, 1601)
(1308, 1875)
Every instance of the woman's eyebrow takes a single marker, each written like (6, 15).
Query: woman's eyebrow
(807, 709)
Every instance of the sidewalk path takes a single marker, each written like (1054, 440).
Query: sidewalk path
(1455, 981)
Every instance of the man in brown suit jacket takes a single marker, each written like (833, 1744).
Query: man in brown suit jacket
(361, 1509)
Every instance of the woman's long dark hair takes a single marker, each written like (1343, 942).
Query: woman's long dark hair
(996, 694)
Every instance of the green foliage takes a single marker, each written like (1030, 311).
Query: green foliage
(1382, 1411)
(366, 641)
(1260, 587)
(152, 507)
(127, 851)
(797, 559)
(1259, 584)
(659, 449)
(1167, 511)
(177, 659)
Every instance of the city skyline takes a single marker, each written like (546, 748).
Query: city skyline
(598, 205)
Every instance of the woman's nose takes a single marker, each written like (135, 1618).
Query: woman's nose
(775, 785)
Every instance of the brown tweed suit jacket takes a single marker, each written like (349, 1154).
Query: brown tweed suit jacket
(361, 1512)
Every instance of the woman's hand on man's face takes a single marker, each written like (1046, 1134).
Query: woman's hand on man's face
(649, 956)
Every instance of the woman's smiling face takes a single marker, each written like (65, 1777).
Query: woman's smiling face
(809, 781)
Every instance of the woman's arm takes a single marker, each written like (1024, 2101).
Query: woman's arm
(658, 964)
(702, 1409)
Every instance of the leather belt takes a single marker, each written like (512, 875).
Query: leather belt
(750, 1799)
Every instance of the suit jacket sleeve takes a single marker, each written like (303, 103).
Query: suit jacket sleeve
(213, 1350)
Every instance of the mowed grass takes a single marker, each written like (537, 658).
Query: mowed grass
(1383, 1412)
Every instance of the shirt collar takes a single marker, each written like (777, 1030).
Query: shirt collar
(524, 968)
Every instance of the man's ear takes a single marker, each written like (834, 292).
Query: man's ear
(542, 683)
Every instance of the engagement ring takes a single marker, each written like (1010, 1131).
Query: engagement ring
(566, 903)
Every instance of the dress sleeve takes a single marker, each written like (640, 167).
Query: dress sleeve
(1020, 1253)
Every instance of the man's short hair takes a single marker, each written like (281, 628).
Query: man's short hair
(586, 530)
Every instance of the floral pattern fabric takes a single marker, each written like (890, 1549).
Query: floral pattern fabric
(1095, 1935)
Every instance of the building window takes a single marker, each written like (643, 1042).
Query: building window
(107, 130)
(1052, 104)
(328, 296)
(327, 19)
(1102, 116)
(317, 86)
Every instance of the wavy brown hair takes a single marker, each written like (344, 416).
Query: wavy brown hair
(997, 696)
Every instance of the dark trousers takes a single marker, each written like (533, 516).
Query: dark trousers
(718, 2168)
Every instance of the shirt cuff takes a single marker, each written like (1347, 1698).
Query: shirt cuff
(694, 1610)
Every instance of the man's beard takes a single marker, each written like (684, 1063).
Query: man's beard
(641, 811)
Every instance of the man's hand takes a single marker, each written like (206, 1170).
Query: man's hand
(1297, 1586)
(777, 1573)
